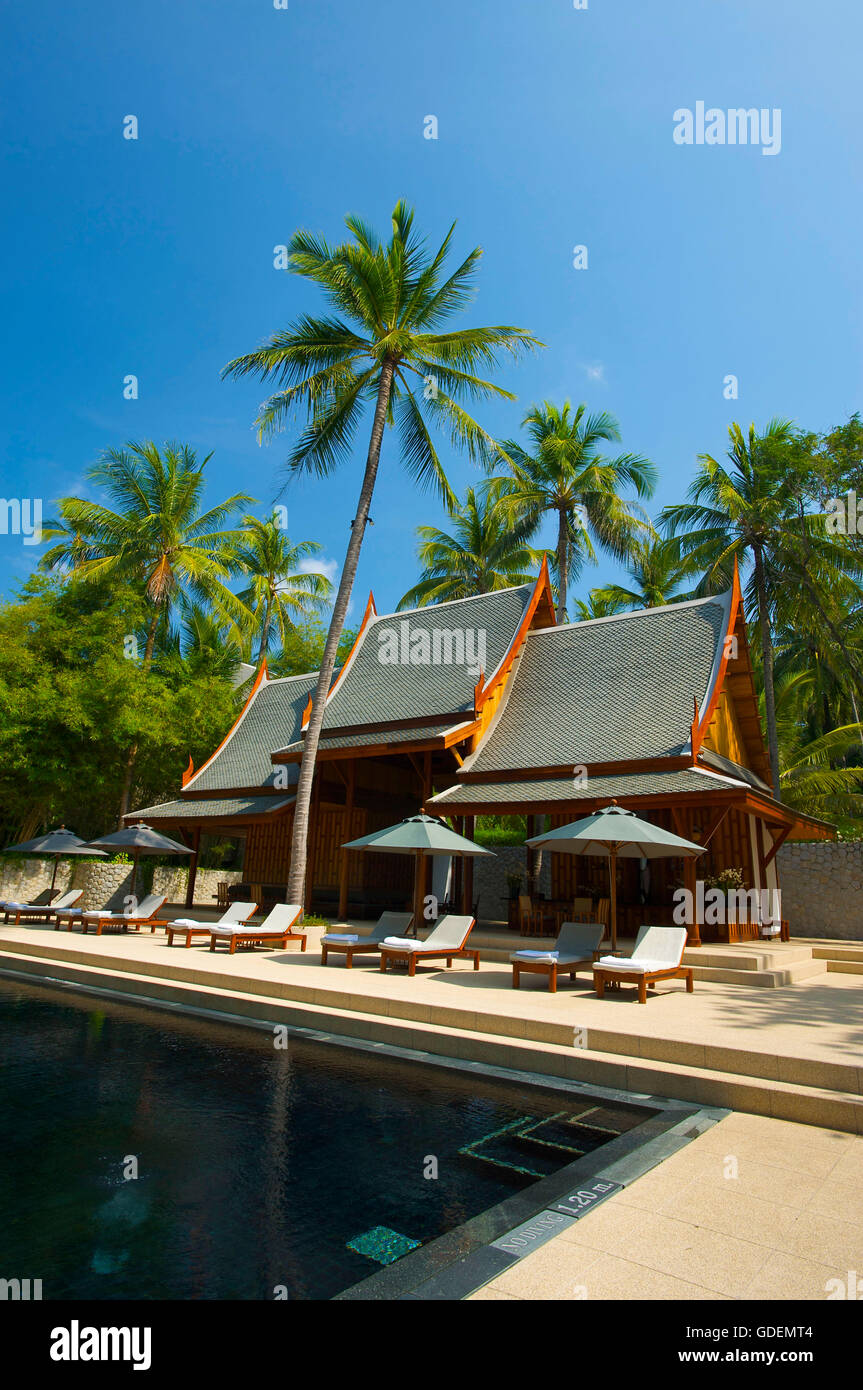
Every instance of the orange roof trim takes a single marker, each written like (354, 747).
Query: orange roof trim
(542, 590)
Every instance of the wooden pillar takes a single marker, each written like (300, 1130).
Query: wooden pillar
(467, 882)
(193, 869)
(344, 868)
(314, 828)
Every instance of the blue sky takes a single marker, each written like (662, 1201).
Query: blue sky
(155, 256)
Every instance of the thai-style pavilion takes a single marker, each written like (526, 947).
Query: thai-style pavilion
(486, 706)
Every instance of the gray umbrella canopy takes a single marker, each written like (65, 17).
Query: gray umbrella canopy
(61, 843)
(616, 833)
(417, 835)
(421, 836)
(616, 827)
(140, 839)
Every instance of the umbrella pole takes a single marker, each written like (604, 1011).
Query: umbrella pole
(612, 868)
(419, 864)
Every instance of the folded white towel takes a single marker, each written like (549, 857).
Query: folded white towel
(73, 911)
(534, 955)
(186, 922)
(406, 943)
(340, 936)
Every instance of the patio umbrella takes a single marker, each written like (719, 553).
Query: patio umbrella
(420, 836)
(61, 843)
(137, 840)
(617, 834)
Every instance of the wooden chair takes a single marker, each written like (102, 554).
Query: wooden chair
(526, 916)
(275, 930)
(447, 941)
(658, 955)
(350, 944)
(576, 947)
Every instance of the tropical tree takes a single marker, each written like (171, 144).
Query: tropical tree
(155, 536)
(484, 551)
(562, 472)
(384, 345)
(277, 592)
(745, 510)
(657, 570)
(598, 604)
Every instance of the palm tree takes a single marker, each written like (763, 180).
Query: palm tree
(562, 471)
(811, 780)
(157, 538)
(278, 593)
(379, 347)
(749, 510)
(198, 647)
(484, 552)
(739, 510)
(657, 570)
(598, 604)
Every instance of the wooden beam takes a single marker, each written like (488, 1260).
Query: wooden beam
(344, 866)
(193, 869)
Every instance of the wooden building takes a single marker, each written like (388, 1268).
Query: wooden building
(486, 706)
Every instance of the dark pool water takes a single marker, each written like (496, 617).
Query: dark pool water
(256, 1166)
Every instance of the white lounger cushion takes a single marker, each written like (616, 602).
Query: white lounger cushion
(348, 937)
(636, 967)
(535, 955)
(656, 948)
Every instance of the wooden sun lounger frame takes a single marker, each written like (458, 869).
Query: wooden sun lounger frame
(402, 956)
(645, 979)
(253, 936)
(552, 968)
(348, 949)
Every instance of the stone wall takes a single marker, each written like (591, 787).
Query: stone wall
(105, 884)
(822, 888)
(489, 879)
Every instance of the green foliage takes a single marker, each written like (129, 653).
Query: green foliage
(72, 702)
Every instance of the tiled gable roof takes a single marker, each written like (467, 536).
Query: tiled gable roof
(272, 718)
(607, 690)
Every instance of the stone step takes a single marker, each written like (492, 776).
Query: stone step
(804, 1103)
(845, 967)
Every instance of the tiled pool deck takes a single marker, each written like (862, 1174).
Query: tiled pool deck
(753, 1209)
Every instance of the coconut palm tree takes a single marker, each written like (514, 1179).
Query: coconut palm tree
(277, 592)
(562, 472)
(483, 552)
(384, 346)
(745, 509)
(657, 570)
(597, 605)
(155, 536)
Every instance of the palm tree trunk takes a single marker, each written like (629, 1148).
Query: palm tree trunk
(767, 662)
(265, 631)
(133, 751)
(562, 565)
(300, 837)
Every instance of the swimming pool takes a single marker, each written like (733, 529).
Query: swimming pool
(155, 1157)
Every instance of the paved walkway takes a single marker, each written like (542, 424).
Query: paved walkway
(754, 1209)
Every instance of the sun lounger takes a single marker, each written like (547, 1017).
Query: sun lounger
(143, 915)
(34, 912)
(576, 947)
(275, 930)
(236, 915)
(9, 906)
(350, 944)
(446, 942)
(657, 956)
